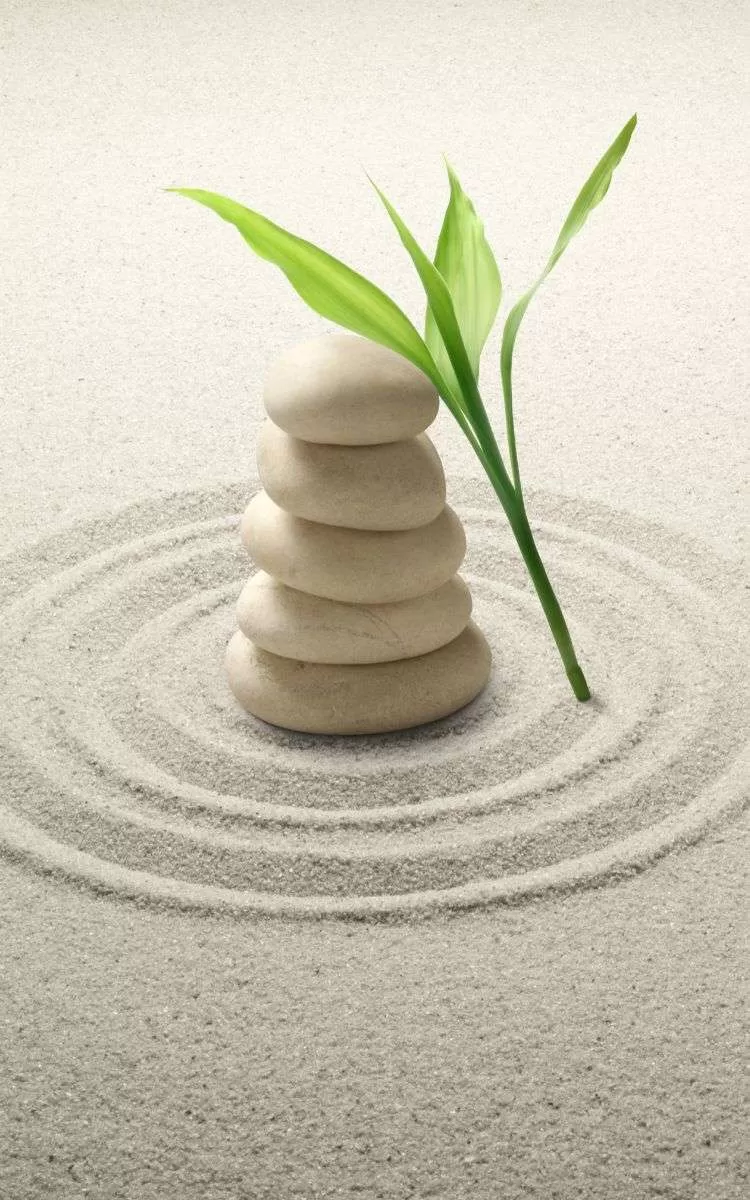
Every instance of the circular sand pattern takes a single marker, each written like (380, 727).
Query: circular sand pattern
(125, 761)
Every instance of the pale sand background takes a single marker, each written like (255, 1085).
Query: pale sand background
(588, 1046)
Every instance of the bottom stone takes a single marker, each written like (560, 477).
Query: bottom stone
(367, 698)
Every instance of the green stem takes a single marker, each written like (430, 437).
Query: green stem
(511, 437)
(519, 523)
(472, 418)
(479, 431)
(491, 457)
(552, 611)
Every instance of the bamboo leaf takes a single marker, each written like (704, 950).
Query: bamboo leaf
(592, 193)
(466, 262)
(326, 284)
(455, 365)
(457, 370)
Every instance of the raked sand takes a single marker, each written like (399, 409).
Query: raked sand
(498, 956)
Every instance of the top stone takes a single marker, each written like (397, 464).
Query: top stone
(345, 390)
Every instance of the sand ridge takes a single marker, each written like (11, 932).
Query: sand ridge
(150, 782)
(580, 1046)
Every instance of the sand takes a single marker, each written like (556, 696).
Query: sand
(499, 956)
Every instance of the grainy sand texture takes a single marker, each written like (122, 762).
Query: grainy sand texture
(500, 956)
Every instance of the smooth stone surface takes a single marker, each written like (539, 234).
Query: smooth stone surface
(344, 389)
(396, 485)
(359, 566)
(369, 698)
(295, 624)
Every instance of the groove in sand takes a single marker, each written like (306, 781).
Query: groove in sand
(130, 767)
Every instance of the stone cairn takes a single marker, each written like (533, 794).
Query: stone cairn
(356, 621)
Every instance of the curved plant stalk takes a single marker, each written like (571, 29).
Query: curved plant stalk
(592, 193)
(463, 292)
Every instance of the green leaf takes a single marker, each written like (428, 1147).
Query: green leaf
(464, 259)
(327, 285)
(457, 368)
(592, 193)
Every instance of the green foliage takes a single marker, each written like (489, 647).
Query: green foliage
(463, 291)
(592, 193)
(464, 259)
(328, 286)
(456, 366)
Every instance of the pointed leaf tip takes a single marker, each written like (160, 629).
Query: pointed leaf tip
(465, 260)
(455, 365)
(330, 288)
(591, 194)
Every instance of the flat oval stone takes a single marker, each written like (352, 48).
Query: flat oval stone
(358, 566)
(347, 390)
(396, 485)
(295, 624)
(365, 698)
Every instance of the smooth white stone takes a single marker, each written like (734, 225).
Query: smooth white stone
(396, 485)
(359, 566)
(367, 698)
(295, 624)
(347, 390)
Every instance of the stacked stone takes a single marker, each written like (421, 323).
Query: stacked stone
(356, 621)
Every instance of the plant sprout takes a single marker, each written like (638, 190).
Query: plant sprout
(463, 290)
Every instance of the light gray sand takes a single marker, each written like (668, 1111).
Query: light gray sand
(593, 1048)
(581, 1042)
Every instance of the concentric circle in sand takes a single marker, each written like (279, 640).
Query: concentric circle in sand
(128, 765)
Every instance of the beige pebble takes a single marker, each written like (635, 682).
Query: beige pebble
(348, 390)
(369, 698)
(359, 566)
(396, 485)
(295, 624)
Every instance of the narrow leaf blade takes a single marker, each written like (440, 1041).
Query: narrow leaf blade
(591, 194)
(593, 191)
(456, 367)
(466, 402)
(465, 260)
(326, 284)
